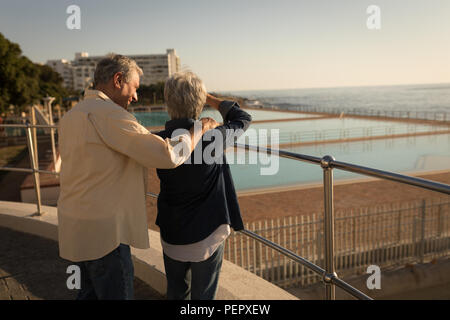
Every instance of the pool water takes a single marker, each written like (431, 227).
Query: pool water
(336, 128)
(159, 118)
(400, 155)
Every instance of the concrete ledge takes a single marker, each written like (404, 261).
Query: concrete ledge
(235, 283)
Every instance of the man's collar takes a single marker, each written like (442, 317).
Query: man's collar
(185, 123)
(95, 94)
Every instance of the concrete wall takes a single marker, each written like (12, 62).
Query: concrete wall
(49, 195)
(235, 283)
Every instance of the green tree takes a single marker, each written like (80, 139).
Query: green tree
(51, 84)
(151, 94)
(18, 76)
(23, 82)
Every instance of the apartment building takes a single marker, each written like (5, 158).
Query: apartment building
(79, 73)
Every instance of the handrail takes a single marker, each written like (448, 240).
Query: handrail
(333, 278)
(418, 182)
(320, 271)
(28, 170)
(414, 181)
(42, 126)
(327, 163)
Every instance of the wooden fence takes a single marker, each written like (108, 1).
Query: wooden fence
(385, 236)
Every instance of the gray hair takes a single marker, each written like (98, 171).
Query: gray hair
(185, 95)
(113, 63)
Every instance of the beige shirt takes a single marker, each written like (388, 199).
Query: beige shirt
(104, 152)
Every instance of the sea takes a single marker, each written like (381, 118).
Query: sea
(413, 98)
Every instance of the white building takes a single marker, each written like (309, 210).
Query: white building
(79, 73)
(64, 68)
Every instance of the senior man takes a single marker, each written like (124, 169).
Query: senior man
(105, 153)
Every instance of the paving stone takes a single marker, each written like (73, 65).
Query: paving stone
(31, 269)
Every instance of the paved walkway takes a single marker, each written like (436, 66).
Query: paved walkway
(31, 269)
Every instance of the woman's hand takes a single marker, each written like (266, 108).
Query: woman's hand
(213, 101)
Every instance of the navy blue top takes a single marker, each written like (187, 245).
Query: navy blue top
(198, 196)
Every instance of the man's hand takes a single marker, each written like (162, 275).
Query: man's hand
(207, 124)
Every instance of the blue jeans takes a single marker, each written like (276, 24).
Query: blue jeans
(108, 278)
(193, 280)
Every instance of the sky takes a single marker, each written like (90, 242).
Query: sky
(237, 45)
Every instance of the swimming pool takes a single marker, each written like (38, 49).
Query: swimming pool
(400, 155)
(159, 118)
(340, 128)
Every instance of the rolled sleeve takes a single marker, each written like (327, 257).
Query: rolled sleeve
(236, 122)
(225, 107)
(120, 131)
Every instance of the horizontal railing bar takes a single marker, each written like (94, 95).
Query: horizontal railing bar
(349, 289)
(284, 251)
(418, 182)
(340, 283)
(28, 126)
(16, 169)
(28, 170)
(281, 153)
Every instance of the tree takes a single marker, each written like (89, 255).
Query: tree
(23, 82)
(151, 94)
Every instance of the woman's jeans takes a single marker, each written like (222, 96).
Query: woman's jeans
(193, 280)
(108, 278)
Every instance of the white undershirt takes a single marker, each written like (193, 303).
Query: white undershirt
(198, 251)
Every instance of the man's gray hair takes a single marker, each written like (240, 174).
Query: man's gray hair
(113, 63)
(185, 95)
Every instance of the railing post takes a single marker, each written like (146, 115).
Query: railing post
(48, 101)
(328, 227)
(34, 136)
(319, 247)
(422, 235)
(33, 162)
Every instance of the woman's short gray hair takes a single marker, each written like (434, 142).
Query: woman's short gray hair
(185, 95)
(113, 63)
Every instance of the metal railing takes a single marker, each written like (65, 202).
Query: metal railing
(328, 163)
(33, 154)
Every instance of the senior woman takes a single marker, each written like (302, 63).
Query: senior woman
(197, 203)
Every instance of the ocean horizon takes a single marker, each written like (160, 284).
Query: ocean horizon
(408, 97)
